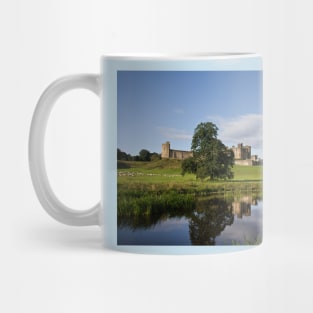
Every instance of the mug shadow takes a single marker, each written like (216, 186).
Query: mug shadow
(69, 238)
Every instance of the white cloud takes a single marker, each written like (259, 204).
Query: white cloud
(245, 128)
(173, 133)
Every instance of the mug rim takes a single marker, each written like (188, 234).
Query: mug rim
(178, 56)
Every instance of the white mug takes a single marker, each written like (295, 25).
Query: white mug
(181, 159)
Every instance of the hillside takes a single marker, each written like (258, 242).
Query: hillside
(159, 164)
(173, 167)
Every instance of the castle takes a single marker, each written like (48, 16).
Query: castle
(242, 154)
(168, 153)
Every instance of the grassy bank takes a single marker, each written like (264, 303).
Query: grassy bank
(153, 187)
(166, 174)
(173, 167)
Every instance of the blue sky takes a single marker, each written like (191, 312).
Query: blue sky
(158, 106)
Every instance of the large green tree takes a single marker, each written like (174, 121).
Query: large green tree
(211, 158)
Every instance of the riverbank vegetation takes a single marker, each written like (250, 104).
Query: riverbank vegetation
(155, 187)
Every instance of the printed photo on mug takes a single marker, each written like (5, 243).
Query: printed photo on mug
(189, 157)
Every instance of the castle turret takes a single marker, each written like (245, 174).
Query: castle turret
(166, 150)
(248, 153)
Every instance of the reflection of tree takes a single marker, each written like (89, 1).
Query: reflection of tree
(140, 221)
(209, 219)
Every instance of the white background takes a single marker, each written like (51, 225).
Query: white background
(49, 267)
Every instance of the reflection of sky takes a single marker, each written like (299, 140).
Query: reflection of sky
(173, 231)
(247, 229)
(159, 106)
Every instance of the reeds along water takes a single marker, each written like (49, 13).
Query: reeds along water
(174, 202)
(154, 203)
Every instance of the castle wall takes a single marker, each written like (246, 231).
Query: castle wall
(249, 162)
(168, 153)
(244, 162)
(242, 154)
(180, 154)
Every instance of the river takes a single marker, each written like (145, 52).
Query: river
(216, 220)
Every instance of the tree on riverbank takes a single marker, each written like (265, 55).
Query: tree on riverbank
(211, 158)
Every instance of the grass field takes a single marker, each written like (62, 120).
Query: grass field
(154, 187)
(164, 170)
(166, 174)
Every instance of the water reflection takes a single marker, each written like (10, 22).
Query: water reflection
(242, 206)
(216, 220)
(209, 219)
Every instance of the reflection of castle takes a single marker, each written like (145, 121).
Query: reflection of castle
(242, 207)
(168, 153)
(243, 155)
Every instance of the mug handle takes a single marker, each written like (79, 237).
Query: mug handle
(45, 194)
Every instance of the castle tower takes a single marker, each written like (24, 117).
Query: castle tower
(248, 148)
(240, 151)
(166, 150)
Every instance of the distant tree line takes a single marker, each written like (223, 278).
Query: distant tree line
(144, 155)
